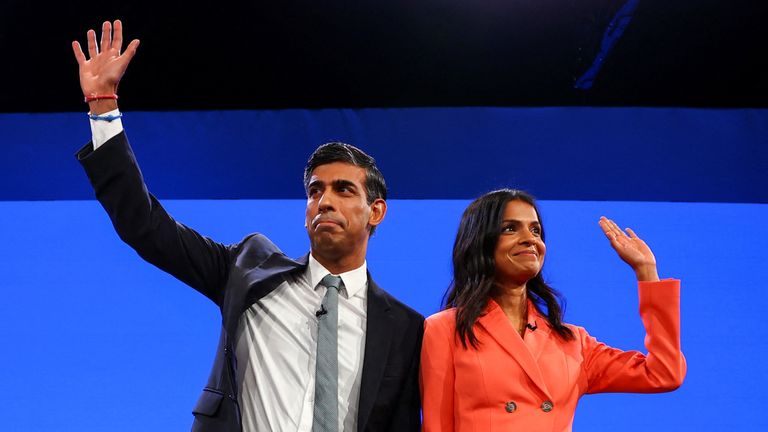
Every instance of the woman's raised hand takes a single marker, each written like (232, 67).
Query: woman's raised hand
(632, 249)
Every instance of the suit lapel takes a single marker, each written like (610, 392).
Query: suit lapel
(259, 281)
(378, 338)
(497, 325)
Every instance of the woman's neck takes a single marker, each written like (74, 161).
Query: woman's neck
(513, 300)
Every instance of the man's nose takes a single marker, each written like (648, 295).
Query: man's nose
(326, 202)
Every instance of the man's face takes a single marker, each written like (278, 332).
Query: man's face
(338, 217)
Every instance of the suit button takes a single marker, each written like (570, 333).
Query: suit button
(547, 406)
(510, 407)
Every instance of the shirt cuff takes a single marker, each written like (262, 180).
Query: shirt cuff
(103, 131)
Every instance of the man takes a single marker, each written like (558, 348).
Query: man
(307, 344)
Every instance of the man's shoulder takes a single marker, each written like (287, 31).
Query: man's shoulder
(255, 247)
(394, 303)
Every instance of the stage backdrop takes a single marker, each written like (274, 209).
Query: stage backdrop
(94, 339)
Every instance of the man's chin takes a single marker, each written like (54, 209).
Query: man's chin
(326, 244)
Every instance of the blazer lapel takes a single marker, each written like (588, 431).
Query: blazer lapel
(498, 327)
(258, 282)
(538, 339)
(378, 338)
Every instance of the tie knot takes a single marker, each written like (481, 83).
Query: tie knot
(331, 281)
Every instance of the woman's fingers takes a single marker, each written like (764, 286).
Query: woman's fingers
(632, 233)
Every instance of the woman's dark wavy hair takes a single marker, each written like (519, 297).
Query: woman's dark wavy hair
(474, 267)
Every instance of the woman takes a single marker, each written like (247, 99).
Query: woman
(499, 357)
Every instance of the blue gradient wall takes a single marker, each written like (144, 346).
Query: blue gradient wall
(93, 339)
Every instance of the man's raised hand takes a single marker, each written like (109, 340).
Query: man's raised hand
(100, 73)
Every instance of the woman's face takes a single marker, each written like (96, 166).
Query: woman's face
(520, 251)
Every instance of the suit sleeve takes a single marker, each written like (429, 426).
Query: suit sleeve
(662, 369)
(437, 375)
(143, 223)
(406, 416)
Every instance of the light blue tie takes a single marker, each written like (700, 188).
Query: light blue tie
(326, 414)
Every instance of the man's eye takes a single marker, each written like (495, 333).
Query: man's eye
(536, 231)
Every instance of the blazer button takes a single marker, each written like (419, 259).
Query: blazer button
(547, 406)
(510, 407)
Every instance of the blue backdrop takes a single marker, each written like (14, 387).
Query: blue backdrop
(95, 339)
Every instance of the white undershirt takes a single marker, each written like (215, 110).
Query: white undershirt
(276, 342)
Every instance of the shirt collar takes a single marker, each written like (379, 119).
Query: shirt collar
(354, 280)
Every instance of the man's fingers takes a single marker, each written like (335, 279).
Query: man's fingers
(79, 56)
(632, 233)
(117, 36)
(106, 36)
(92, 50)
(130, 50)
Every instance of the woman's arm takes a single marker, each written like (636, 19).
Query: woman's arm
(437, 374)
(662, 369)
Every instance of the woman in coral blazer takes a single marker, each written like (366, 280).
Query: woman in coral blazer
(499, 358)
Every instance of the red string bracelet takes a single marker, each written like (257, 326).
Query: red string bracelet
(91, 98)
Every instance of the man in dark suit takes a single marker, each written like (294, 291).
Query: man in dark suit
(271, 370)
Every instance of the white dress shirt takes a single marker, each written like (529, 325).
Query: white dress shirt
(276, 342)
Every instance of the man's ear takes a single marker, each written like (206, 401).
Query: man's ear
(378, 211)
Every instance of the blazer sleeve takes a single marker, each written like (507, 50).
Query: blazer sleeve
(437, 374)
(406, 415)
(143, 223)
(662, 369)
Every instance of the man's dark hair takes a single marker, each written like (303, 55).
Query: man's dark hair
(375, 186)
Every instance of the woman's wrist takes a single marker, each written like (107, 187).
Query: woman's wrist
(647, 273)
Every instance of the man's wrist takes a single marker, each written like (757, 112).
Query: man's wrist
(103, 131)
(102, 106)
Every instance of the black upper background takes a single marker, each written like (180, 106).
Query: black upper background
(391, 53)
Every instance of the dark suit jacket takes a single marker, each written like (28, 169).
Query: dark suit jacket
(235, 277)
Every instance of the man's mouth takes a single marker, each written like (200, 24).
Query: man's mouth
(325, 221)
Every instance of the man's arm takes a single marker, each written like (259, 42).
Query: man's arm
(136, 214)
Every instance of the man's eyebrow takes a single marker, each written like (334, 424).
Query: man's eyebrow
(344, 183)
(315, 183)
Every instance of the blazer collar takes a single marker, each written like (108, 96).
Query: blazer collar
(378, 338)
(497, 325)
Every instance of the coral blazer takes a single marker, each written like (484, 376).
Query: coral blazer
(533, 383)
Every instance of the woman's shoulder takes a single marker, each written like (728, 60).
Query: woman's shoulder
(445, 317)
(579, 332)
